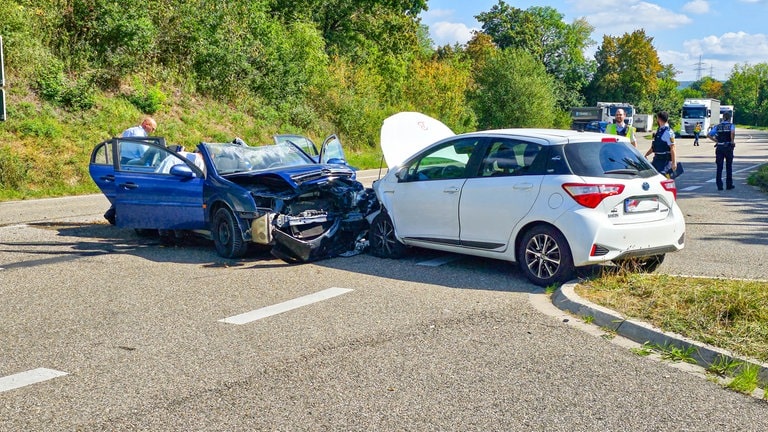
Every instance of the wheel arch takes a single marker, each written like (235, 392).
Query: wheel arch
(531, 225)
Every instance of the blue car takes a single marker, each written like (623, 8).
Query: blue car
(596, 126)
(277, 197)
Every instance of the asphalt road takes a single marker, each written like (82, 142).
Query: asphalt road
(413, 345)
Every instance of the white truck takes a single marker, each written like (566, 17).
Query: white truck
(609, 111)
(727, 108)
(643, 122)
(704, 111)
(604, 113)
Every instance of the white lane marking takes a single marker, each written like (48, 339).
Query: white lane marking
(296, 303)
(14, 226)
(691, 188)
(33, 376)
(436, 262)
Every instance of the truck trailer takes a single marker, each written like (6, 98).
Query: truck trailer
(704, 111)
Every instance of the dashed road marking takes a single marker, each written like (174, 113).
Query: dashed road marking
(436, 262)
(23, 379)
(296, 303)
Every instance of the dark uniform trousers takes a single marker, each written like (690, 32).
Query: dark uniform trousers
(724, 153)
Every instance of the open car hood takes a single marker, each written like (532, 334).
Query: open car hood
(405, 134)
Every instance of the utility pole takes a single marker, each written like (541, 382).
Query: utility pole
(699, 68)
(2, 82)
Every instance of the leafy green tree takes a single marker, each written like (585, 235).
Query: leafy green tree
(747, 90)
(667, 97)
(514, 90)
(541, 31)
(628, 69)
(708, 87)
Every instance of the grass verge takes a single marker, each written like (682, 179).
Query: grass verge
(729, 314)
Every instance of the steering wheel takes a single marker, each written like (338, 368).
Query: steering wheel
(451, 171)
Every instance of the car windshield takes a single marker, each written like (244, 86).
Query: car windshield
(233, 158)
(598, 159)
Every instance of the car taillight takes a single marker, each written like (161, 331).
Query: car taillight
(669, 185)
(590, 195)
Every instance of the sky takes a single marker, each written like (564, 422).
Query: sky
(699, 37)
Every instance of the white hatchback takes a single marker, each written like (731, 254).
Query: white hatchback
(550, 200)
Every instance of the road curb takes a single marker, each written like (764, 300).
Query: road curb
(565, 298)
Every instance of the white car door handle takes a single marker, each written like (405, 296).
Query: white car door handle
(451, 190)
(523, 186)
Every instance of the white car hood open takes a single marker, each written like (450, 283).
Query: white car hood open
(405, 134)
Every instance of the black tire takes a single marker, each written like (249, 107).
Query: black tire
(144, 232)
(647, 264)
(544, 256)
(383, 242)
(227, 235)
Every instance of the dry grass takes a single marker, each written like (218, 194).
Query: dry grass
(730, 314)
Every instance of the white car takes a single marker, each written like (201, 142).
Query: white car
(550, 200)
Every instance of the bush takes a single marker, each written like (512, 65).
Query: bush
(148, 100)
(759, 178)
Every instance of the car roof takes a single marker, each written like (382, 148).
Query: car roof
(549, 136)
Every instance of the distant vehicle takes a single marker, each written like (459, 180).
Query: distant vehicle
(276, 197)
(581, 117)
(643, 122)
(727, 108)
(596, 126)
(610, 108)
(704, 111)
(549, 200)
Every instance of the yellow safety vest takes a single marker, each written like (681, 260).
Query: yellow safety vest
(611, 129)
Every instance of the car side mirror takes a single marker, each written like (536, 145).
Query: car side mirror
(182, 170)
(337, 161)
(402, 174)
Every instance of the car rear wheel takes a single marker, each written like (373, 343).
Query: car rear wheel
(544, 256)
(643, 265)
(384, 244)
(227, 235)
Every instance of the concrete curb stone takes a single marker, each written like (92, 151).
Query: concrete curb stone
(565, 298)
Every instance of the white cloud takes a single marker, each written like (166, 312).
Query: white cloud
(699, 7)
(635, 15)
(717, 55)
(731, 46)
(444, 32)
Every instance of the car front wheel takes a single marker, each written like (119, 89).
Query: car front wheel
(544, 256)
(227, 235)
(384, 244)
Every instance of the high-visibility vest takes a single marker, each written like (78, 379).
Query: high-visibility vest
(629, 131)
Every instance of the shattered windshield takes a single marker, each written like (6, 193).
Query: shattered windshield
(232, 158)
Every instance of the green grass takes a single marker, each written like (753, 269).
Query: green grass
(730, 314)
(759, 178)
(44, 150)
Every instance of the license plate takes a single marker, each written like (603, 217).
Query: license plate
(641, 204)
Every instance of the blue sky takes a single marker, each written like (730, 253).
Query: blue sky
(700, 37)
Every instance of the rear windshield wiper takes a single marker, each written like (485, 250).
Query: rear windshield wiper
(624, 171)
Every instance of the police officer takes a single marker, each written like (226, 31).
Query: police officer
(621, 128)
(663, 146)
(724, 135)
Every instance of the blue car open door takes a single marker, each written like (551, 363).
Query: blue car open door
(161, 189)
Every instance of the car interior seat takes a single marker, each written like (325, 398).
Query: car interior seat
(505, 161)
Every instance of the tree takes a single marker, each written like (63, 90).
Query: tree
(708, 87)
(628, 69)
(747, 90)
(541, 31)
(514, 90)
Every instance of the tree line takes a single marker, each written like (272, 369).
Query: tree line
(344, 63)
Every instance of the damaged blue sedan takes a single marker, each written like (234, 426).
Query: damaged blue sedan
(276, 197)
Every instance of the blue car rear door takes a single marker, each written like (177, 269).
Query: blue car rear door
(161, 190)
